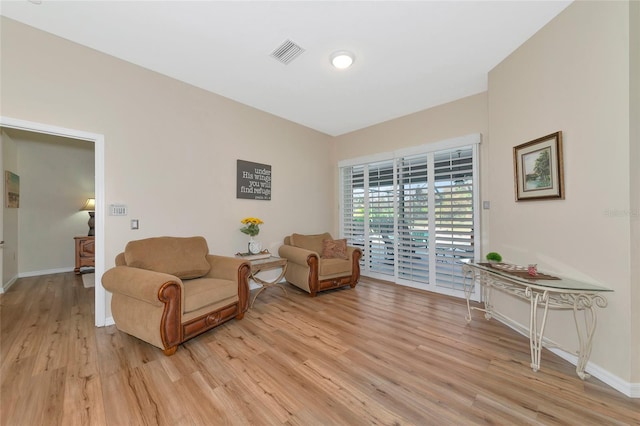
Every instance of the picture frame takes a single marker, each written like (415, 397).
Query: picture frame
(539, 169)
(12, 190)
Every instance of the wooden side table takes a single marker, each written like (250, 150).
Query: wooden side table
(85, 253)
(267, 264)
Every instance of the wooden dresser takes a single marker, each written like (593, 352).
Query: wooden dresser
(85, 253)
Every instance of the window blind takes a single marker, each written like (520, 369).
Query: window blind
(413, 219)
(454, 213)
(381, 215)
(414, 215)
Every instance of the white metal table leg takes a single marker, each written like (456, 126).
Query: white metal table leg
(587, 304)
(487, 292)
(535, 336)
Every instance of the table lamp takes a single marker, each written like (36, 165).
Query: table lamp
(90, 206)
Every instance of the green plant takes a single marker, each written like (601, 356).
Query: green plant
(252, 226)
(494, 256)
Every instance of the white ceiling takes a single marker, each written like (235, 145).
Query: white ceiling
(409, 55)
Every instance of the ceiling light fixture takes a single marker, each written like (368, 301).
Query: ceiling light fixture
(342, 59)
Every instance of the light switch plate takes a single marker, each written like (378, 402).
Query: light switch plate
(134, 224)
(117, 210)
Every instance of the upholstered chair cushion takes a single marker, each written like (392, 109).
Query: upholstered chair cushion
(310, 242)
(202, 292)
(332, 267)
(185, 258)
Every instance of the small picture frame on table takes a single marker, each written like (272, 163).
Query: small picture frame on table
(539, 170)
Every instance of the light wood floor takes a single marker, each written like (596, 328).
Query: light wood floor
(377, 354)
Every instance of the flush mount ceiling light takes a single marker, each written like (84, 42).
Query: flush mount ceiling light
(342, 59)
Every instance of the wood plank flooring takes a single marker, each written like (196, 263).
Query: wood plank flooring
(377, 354)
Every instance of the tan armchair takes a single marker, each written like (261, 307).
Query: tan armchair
(318, 262)
(167, 290)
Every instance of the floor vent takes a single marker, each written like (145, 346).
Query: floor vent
(287, 52)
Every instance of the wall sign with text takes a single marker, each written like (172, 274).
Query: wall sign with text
(253, 181)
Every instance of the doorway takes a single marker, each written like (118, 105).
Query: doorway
(98, 140)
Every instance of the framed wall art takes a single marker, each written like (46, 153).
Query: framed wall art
(12, 190)
(539, 171)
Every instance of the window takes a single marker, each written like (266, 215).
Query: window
(352, 206)
(414, 213)
(454, 214)
(380, 213)
(413, 219)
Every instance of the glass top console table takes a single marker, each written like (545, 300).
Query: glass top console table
(542, 292)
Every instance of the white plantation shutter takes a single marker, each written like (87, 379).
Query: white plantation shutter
(353, 209)
(381, 213)
(414, 215)
(453, 210)
(413, 219)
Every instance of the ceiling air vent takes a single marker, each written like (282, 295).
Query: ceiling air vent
(287, 52)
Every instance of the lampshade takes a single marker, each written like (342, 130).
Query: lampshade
(342, 59)
(89, 205)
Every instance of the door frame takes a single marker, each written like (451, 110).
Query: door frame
(98, 141)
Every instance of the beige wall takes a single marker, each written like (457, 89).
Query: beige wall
(634, 161)
(459, 118)
(572, 76)
(170, 148)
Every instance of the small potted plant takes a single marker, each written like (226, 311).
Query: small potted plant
(252, 228)
(494, 257)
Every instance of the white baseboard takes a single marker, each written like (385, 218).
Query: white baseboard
(8, 284)
(12, 281)
(632, 390)
(44, 272)
(109, 321)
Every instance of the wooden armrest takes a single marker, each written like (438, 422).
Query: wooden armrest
(351, 250)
